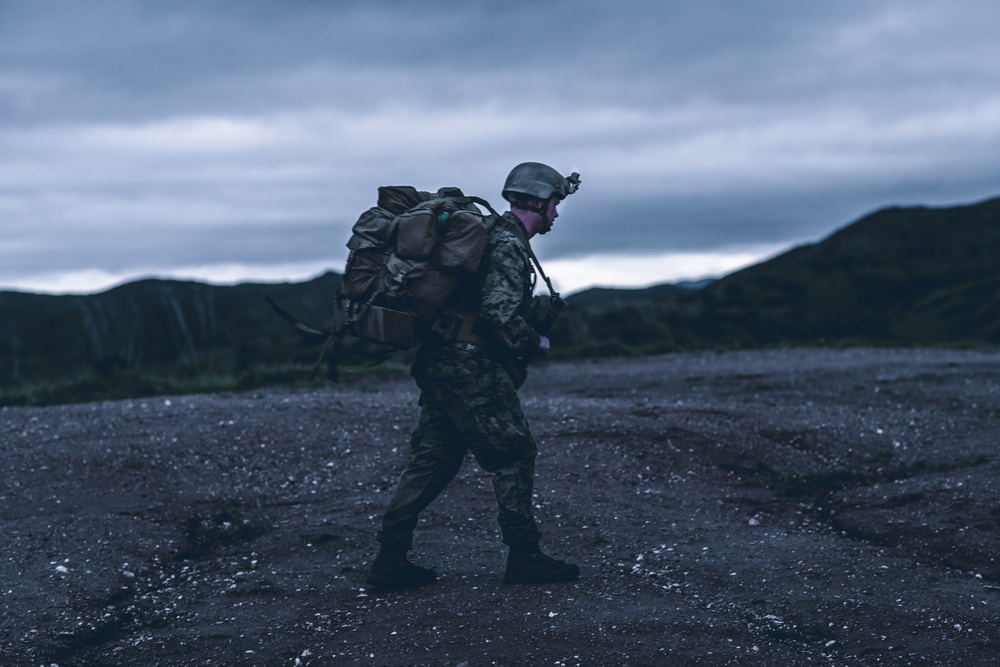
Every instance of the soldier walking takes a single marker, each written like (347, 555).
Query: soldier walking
(468, 396)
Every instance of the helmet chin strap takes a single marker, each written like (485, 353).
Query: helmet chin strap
(546, 220)
(545, 224)
(533, 217)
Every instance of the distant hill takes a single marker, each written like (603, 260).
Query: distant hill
(153, 331)
(901, 276)
(904, 276)
(610, 296)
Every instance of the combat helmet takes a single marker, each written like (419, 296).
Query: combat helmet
(537, 180)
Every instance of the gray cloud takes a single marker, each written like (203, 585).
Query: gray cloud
(167, 57)
(138, 134)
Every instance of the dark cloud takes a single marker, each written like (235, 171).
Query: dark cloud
(141, 58)
(697, 126)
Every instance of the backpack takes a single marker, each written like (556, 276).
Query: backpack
(407, 255)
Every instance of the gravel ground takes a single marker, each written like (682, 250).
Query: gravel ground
(793, 507)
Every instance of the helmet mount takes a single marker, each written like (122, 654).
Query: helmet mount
(535, 180)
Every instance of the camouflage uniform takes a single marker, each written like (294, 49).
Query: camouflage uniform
(469, 401)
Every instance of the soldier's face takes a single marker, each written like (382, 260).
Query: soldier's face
(550, 214)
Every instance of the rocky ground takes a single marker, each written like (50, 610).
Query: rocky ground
(829, 507)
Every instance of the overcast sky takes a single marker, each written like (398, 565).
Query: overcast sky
(240, 140)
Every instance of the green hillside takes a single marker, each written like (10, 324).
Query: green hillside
(904, 276)
(155, 335)
(901, 275)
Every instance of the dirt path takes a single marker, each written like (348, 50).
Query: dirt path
(777, 508)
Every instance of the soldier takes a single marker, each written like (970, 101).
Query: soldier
(469, 402)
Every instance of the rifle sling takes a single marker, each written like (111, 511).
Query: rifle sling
(517, 230)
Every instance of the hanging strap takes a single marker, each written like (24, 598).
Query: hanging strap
(291, 319)
(334, 336)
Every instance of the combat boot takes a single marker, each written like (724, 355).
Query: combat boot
(391, 570)
(531, 566)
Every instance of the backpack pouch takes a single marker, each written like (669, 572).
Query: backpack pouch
(416, 234)
(371, 229)
(427, 293)
(463, 242)
(361, 276)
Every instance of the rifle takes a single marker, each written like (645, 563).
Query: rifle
(540, 319)
(542, 316)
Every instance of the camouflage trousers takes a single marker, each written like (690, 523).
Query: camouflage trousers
(467, 403)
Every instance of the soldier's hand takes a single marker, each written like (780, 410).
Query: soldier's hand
(544, 346)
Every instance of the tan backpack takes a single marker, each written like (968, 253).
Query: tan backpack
(407, 255)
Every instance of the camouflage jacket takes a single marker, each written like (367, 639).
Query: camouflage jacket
(506, 285)
(502, 294)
